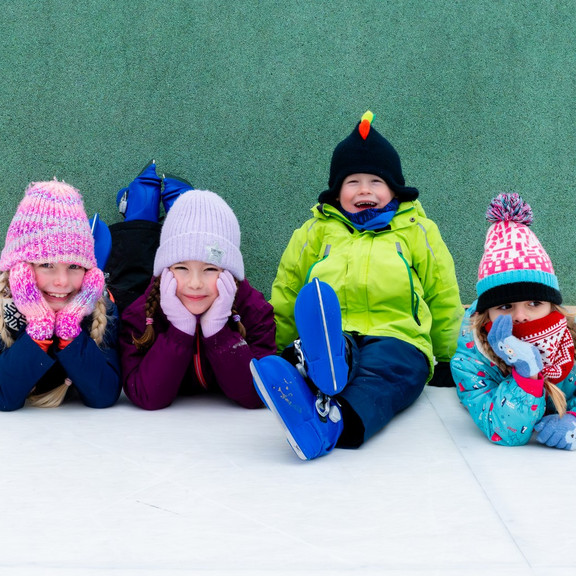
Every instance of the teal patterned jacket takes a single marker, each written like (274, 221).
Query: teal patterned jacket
(505, 408)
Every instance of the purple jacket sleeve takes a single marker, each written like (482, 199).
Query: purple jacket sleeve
(151, 380)
(229, 354)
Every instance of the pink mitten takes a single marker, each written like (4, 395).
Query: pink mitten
(69, 318)
(178, 315)
(30, 302)
(214, 319)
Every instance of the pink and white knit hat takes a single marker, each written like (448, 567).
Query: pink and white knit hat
(50, 225)
(515, 267)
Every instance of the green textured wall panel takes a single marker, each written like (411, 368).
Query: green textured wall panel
(248, 99)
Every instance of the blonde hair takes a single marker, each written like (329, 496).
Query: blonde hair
(53, 398)
(479, 321)
(144, 342)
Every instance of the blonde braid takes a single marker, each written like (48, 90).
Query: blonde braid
(99, 321)
(51, 399)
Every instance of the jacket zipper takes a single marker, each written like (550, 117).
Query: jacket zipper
(414, 299)
(198, 364)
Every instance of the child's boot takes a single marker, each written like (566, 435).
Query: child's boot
(321, 343)
(173, 187)
(312, 424)
(141, 199)
(102, 240)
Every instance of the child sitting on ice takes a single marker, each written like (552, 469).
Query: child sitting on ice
(367, 290)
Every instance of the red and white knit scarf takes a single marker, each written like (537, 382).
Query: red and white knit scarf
(554, 341)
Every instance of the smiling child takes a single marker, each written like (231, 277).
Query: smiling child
(365, 301)
(58, 328)
(200, 322)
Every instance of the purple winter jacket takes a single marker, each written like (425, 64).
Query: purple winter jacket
(172, 365)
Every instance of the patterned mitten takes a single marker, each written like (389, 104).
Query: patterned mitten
(30, 302)
(214, 319)
(178, 315)
(69, 318)
(521, 355)
(557, 432)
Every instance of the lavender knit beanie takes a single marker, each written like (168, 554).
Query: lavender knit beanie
(50, 225)
(200, 226)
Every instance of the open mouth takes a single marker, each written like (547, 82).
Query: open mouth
(59, 296)
(365, 205)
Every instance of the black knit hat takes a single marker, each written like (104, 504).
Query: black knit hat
(366, 151)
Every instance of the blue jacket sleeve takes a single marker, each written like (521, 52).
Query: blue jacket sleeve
(22, 365)
(94, 370)
(503, 407)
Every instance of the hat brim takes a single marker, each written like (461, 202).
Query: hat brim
(517, 292)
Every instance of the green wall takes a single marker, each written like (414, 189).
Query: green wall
(248, 99)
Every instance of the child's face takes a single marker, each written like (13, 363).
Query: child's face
(59, 283)
(525, 311)
(362, 191)
(196, 284)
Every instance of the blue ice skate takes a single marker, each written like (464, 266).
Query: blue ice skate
(319, 325)
(102, 240)
(141, 199)
(312, 424)
(173, 187)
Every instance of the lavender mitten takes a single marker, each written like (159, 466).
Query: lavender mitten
(30, 302)
(521, 355)
(178, 315)
(214, 319)
(69, 318)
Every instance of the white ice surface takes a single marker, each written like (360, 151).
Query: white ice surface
(205, 487)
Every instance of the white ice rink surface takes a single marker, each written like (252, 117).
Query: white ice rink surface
(204, 487)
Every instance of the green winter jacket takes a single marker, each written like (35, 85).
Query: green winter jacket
(398, 282)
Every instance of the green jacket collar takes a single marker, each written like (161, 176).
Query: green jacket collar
(407, 214)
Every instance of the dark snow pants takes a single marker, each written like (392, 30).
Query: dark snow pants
(131, 261)
(386, 376)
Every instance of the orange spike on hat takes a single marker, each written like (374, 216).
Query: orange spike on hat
(365, 123)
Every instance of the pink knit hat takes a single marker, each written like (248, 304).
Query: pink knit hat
(50, 225)
(515, 267)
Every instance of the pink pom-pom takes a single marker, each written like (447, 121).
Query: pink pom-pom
(509, 207)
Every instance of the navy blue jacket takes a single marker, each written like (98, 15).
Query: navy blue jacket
(94, 371)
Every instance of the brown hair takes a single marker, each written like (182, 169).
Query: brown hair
(480, 319)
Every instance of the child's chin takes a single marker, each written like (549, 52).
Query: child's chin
(57, 306)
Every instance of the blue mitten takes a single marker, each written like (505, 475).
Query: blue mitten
(557, 432)
(521, 355)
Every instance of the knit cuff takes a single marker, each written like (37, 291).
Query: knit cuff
(63, 343)
(529, 385)
(44, 344)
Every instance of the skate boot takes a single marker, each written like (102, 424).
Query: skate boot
(321, 345)
(102, 240)
(312, 424)
(173, 187)
(141, 199)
